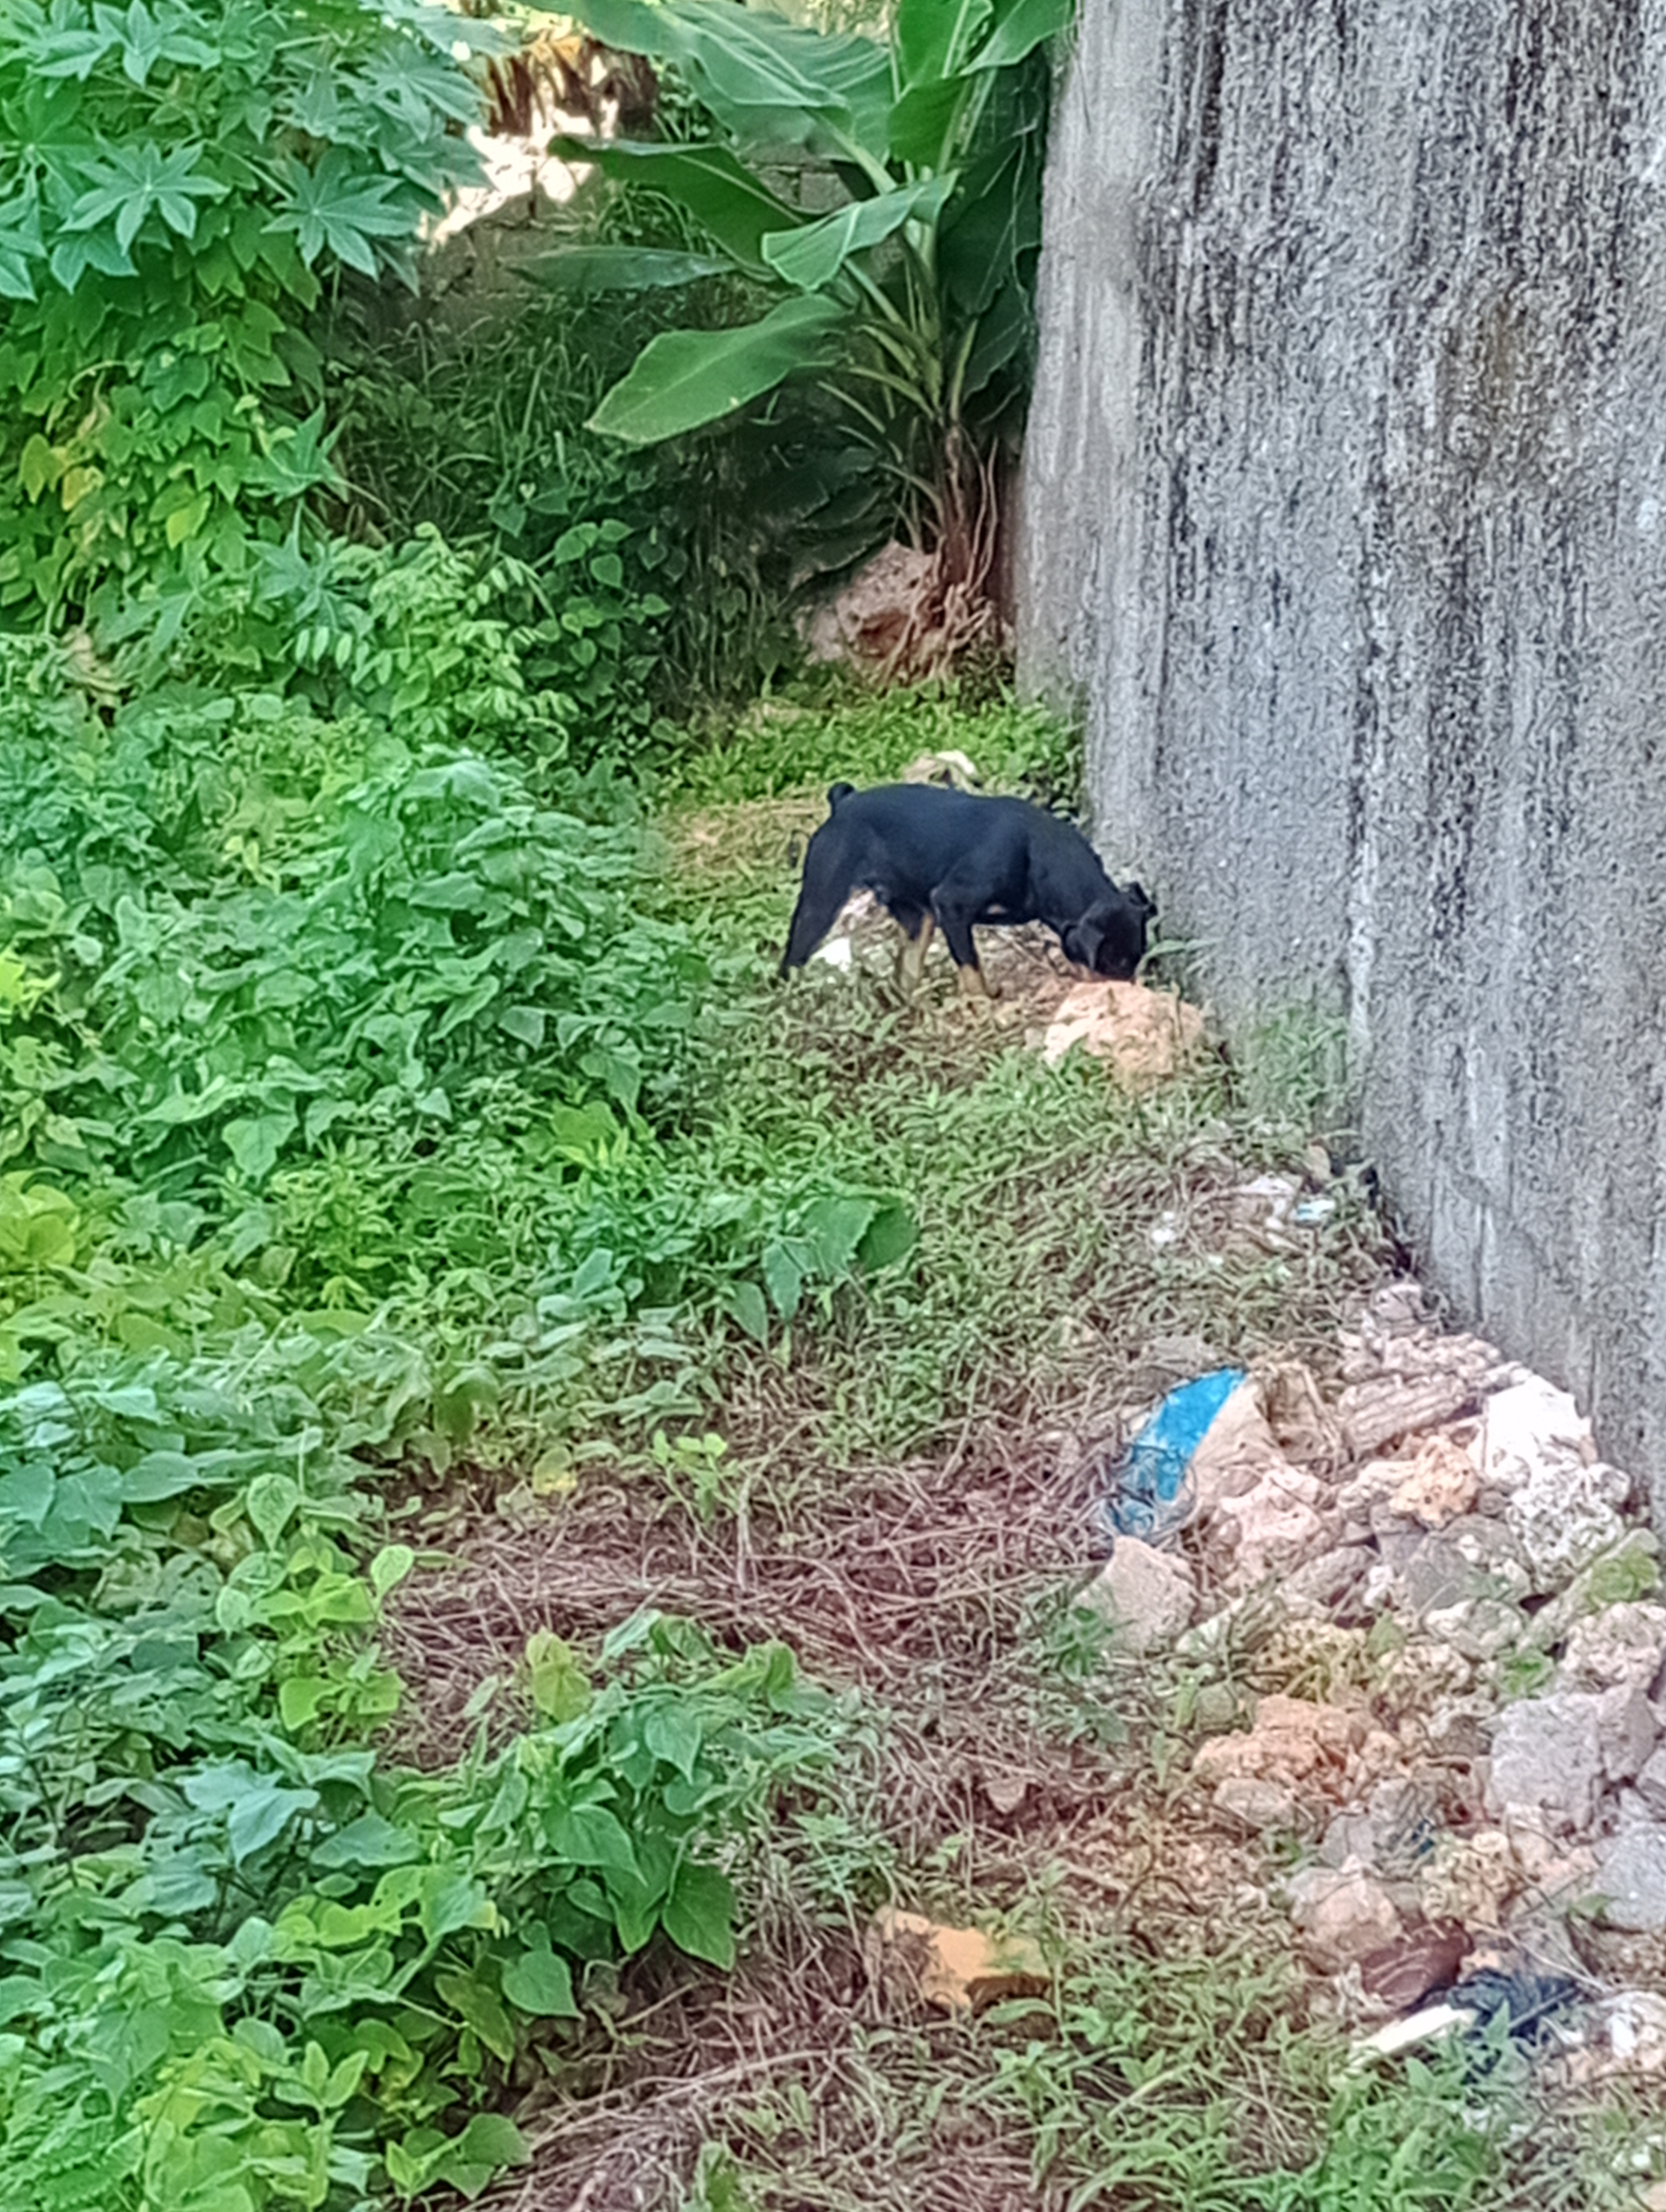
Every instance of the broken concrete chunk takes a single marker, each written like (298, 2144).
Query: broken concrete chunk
(1652, 1783)
(1342, 1915)
(1269, 1531)
(1147, 1595)
(1563, 1515)
(1530, 1426)
(1630, 1879)
(1290, 1739)
(955, 1969)
(1242, 1802)
(1438, 1486)
(1326, 1584)
(1390, 1406)
(1147, 1037)
(1626, 1644)
(1484, 1629)
(1551, 1756)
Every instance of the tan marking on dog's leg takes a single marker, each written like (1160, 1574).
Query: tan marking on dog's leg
(974, 985)
(912, 965)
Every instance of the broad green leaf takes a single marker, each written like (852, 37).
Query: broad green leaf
(390, 1566)
(540, 1982)
(255, 1140)
(560, 1686)
(810, 258)
(619, 268)
(492, 2139)
(684, 378)
(725, 199)
(766, 81)
(929, 120)
(589, 1835)
(261, 1813)
(933, 38)
(745, 1304)
(674, 1734)
(449, 1901)
(835, 1227)
(699, 1914)
(783, 1279)
(1020, 26)
(369, 1841)
(482, 2008)
(40, 465)
(891, 1236)
(301, 1698)
(271, 1499)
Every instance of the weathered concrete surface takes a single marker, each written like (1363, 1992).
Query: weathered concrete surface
(1344, 514)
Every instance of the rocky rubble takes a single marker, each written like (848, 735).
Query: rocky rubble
(1447, 1601)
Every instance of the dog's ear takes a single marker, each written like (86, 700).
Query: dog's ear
(837, 795)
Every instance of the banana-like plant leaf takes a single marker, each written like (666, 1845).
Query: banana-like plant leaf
(935, 38)
(620, 268)
(725, 198)
(927, 120)
(1021, 26)
(765, 80)
(810, 259)
(683, 378)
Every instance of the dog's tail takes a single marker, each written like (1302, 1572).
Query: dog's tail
(838, 796)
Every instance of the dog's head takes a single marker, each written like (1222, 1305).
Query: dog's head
(1110, 937)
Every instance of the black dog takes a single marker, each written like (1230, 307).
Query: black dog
(934, 857)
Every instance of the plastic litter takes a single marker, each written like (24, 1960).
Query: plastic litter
(1154, 1494)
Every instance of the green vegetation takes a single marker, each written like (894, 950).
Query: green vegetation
(912, 302)
(534, 1460)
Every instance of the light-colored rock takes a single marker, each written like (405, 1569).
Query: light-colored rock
(1390, 1406)
(1243, 1802)
(1634, 2024)
(1531, 1426)
(1630, 1879)
(1471, 1878)
(1147, 1037)
(1269, 1531)
(1483, 1629)
(1565, 1514)
(1422, 1671)
(1322, 1584)
(1625, 1644)
(1290, 1739)
(1342, 1915)
(1147, 1595)
(955, 1969)
(1439, 1485)
(1551, 1756)
(1652, 1783)
(870, 617)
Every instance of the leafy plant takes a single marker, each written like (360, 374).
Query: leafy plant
(913, 301)
(177, 183)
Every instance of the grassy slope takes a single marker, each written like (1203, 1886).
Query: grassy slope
(905, 1493)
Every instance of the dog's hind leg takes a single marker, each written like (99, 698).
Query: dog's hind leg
(826, 887)
(916, 941)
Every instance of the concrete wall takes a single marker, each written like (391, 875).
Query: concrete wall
(1344, 516)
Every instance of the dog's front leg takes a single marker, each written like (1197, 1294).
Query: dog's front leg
(954, 916)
